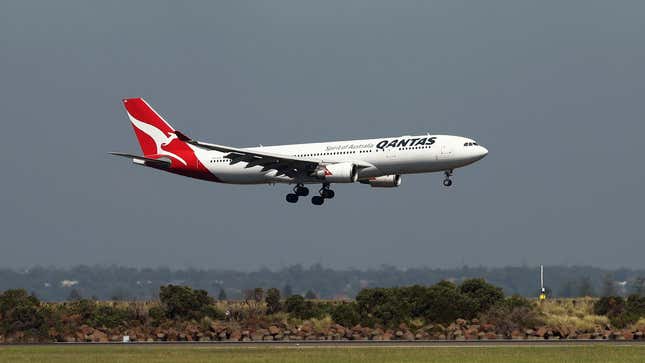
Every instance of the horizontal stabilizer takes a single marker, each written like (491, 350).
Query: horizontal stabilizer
(142, 160)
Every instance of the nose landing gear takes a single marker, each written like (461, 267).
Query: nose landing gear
(447, 181)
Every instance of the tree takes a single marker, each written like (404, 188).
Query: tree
(310, 295)
(609, 286)
(222, 294)
(273, 301)
(585, 288)
(74, 295)
(287, 290)
(637, 287)
(567, 289)
(258, 294)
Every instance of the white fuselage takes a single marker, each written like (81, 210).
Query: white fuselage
(377, 157)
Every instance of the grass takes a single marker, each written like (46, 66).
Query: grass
(209, 353)
(572, 314)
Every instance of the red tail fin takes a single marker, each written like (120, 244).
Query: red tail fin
(151, 129)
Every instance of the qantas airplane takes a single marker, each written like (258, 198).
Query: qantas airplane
(377, 162)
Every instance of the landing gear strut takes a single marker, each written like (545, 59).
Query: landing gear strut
(298, 191)
(447, 181)
(325, 193)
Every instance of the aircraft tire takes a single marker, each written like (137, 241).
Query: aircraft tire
(292, 198)
(317, 200)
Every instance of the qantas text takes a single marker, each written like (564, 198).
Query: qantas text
(405, 142)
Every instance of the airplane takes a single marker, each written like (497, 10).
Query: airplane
(379, 163)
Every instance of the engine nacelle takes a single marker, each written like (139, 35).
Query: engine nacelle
(385, 181)
(338, 173)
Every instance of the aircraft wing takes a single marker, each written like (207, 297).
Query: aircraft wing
(291, 166)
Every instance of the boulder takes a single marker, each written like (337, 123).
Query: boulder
(273, 330)
(408, 335)
(542, 332)
(99, 337)
(235, 336)
(627, 334)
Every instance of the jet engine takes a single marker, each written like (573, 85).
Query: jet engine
(338, 173)
(385, 181)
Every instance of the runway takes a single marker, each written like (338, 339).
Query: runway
(364, 343)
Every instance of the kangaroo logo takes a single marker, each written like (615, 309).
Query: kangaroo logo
(158, 136)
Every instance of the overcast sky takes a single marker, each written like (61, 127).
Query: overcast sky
(555, 90)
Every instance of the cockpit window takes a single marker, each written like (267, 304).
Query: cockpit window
(470, 144)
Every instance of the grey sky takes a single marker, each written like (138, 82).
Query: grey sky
(555, 90)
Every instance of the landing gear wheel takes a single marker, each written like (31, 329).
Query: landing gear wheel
(447, 182)
(301, 191)
(317, 200)
(327, 193)
(292, 198)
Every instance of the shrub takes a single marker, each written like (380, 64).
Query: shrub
(346, 314)
(20, 312)
(446, 303)
(300, 308)
(482, 293)
(609, 305)
(185, 303)
(512, 315)
(273, 301)
(157, 313)
(110, 316)
(382, 306)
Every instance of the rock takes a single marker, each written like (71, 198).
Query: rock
(529, 332)
(408, 336)
(68, 339)
(222, 335)
(386, 336)
(628, 335)
(273, 330)
(542, 331)
(267, 337)
(488, 328)
(475, 321)
(256, 336)
(161, 336)
(490, 335)
(99, 337)
(235, 336)
(460, 322)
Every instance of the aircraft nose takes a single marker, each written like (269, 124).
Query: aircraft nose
(481, 152)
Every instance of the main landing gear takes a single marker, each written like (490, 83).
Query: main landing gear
(447, 181)
(298, 191)
(301, 191)
(325, 193)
